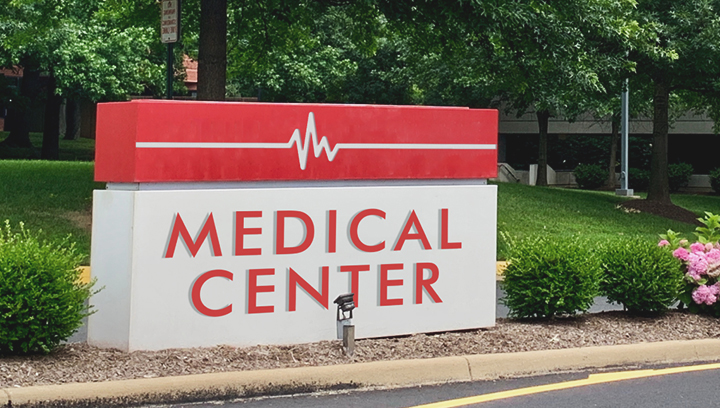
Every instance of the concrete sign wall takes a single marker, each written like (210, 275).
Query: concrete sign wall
(206, 262)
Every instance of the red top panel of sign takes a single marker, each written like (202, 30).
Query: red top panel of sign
(179, 141)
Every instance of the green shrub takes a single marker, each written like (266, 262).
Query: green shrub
(640, 275)
(679, 175)
(639, 179)
(715, 180)
(547, 277)
(42, 301)
(590, 176)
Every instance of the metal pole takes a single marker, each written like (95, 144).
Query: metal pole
(349, 340)
(624, 123)
(169, 71)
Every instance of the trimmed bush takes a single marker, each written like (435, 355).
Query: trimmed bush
(679, 175)
(715, 180)
(548, 277)
(42, 301)
(590, 176)
(640, 275)
(639, 179)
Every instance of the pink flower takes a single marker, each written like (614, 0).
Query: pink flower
(708, 247)
(713, 255)
(697, 247)
(681, 253)
(697, 263)
(705, 294)
(663, 243)
(683, 242)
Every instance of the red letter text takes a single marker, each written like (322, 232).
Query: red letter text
(422, 283)
(385, 282)
(355, 278)
(354, 230)
(419, 234)
(179, 230)
(296, 280)
(280, 247)
(444, 244)
(241, 231)
(197, 287)
(254, 289)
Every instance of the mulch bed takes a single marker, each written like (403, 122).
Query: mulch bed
(670, 211)
(79, 362)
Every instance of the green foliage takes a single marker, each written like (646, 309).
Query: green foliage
(679, 175)
(42, 302)
(96, 50)
(590, 176)
(639, 179)
(640, 275)
(710, 231)
(673, 238)
(547, 277)
(715, 180)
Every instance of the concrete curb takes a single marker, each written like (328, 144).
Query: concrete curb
(383, 373)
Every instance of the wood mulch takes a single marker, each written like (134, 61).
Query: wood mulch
(78, 362)
(670, 211)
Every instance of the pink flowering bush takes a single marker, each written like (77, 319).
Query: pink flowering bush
(701, 260)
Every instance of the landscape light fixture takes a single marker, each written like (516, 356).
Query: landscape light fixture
(346, 304)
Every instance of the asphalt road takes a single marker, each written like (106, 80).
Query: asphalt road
(689, 389)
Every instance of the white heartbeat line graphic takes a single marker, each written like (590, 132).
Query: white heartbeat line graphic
(303, 147)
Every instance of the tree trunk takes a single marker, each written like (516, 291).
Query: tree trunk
(543, 117)
(51, 128)
(614, 139)
(63, 123)
(72, 119)
(659, 188)
(20, 111)
(212, 50)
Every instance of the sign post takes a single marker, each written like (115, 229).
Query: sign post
(625, 189)
(170, 34)
(239, 223)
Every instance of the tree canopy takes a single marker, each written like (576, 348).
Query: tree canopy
(557, 58)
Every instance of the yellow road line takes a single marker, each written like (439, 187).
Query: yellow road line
(592, 379)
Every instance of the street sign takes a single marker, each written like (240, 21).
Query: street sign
(170, 21)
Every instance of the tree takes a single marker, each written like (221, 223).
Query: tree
(212, 53)
(684, 60)
(87, 50)
(542, 56)
(287, 50)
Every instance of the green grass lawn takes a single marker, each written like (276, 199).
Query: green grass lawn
(57, 198)
(53, 196)
(70, 150)
(525, 211)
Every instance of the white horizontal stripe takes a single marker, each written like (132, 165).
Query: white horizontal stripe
(318, 146)
(414, 146)
(346, 146)
(208, 145)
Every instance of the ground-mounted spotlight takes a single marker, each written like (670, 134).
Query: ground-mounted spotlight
(345, 330)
